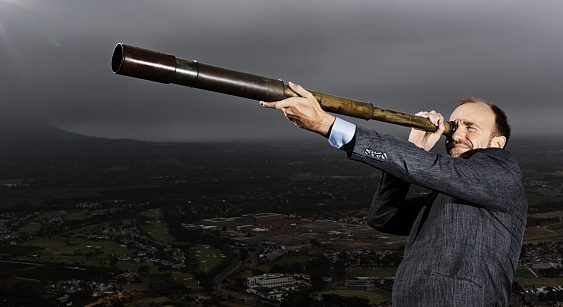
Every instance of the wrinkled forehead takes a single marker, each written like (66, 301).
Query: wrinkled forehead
(474, 112)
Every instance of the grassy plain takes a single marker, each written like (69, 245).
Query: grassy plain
(539, 281)
(208, 257)
(155, 226)
(558, 214)
(352, 273)
(75, 251)
(76, 215)
(524, 273)
(31, 227)
(540, 234)
(535, 197)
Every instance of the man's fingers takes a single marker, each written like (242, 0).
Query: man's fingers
(298, 89)
(292, 101)
(276, 104)
(436, 118)
(304, 111)
(433, 116)
(441, 126)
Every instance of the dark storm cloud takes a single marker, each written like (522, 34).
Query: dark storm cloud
(408, 56)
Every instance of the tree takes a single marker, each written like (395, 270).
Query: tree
(317, 281)
(121, 280)
(25, 293)
(317, 269)
(243, 253)
(296, 267)
(143, 269)
(340, 269)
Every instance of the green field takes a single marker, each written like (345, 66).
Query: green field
(208, 257)
(77, 215)
(182, 277)
(378, 272)
(539, 281)
(50, 214)
(155, 226)
(75, 251)
(31, 227)
(540, 234)
(535, 197)
(524, 273)
(96, 253)
(38, 221)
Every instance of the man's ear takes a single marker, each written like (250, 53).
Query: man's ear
(498, 142)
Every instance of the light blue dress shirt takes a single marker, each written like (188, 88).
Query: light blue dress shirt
(342, 133)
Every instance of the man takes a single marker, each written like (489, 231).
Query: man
(464, 238)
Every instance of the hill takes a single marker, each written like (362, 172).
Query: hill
(37, 139)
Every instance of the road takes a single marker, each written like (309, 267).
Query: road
(254, 263)
(231, 295)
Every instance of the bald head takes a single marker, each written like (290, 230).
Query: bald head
(477, 127)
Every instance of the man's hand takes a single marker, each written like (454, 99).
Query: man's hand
(305, 111)
(424, 139)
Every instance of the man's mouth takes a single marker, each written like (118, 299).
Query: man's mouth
(459, 145)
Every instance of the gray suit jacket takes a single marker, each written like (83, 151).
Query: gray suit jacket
(464, 239)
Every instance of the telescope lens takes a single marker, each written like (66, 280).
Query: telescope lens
(117, 58)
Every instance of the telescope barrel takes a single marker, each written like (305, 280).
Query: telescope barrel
(165, 68)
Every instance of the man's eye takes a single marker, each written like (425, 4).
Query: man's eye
(470, 128)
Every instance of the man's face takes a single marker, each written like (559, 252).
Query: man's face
(475, 124)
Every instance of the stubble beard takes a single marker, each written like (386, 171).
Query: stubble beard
(457, 152)
(463, 152)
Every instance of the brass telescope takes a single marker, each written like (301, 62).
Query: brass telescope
(165, 68)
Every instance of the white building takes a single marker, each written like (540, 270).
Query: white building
(270, 281)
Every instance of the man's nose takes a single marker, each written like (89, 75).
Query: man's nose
(458, 134)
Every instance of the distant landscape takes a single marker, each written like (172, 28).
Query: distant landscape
(102, 222)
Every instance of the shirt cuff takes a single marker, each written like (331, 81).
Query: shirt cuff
(342, 133)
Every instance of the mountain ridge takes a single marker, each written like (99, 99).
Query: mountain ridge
(37, 137)
(24, 132)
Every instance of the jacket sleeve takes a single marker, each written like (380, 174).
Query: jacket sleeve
(491, 178)
(390, 211)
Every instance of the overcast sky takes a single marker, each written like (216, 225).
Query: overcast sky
(55, 61)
